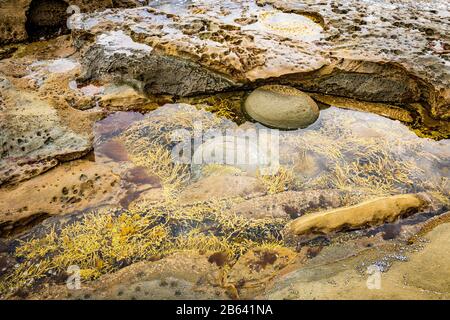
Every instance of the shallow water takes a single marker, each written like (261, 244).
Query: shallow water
(154, 199)
(344, 149)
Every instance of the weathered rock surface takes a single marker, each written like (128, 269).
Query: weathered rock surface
(386, 110)
(18, 17)
(371, 212)
(35, 135)
(221, 187)
(183, 275)
(41, 124)
(254, 270)
(289, 204)
(389, 51)
(70, 187)
(281, 107)
(417, 273)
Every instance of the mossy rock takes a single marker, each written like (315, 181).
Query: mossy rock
(281, 107)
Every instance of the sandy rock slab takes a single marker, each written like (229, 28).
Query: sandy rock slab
(183, 275)
(371, 212)
(70, 187)
(41, 124)
(18, 18)
(422, 274)
(388, 51)
(36, 135)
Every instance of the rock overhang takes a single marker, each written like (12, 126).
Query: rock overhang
(381, 52)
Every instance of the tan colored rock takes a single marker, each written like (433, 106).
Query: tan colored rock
(70, 187)
(36, 134)
(281, 107)
(372, 212)
(125, 98)
(289, 204)
(40, 121)
(257, 267)
(428, 268)
(16, 15)
(348, 48)
(221, 187)
(422, 274)
(386, 110)
(183, 275)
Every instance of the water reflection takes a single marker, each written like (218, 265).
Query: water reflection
(346, 150)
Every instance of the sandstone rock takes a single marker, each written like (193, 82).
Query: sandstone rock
(125, 98)
(386, 110)
(40, 124)
(371, 212)
(159, 74)
(373, 52)
(427, 269)
(183, 275)
(20, 19)
(281, 107)
(257, 267)
(35, 136)
(289, 204)
(419, 272)
(221, 187)
(70, 187)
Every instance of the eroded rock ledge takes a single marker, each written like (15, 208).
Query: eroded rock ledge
(373, 51)
(18, 15)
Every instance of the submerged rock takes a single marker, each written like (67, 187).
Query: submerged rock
(372, 212)
(183, 275)
(289, 204)
(281, 107)
(254, 269)
(250, 153)
(70, 187)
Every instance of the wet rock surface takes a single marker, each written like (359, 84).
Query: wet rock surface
(375, 211)
(67, 188)
(82, 184)
(212, 188)
(281, 107)
(187, 275)
(357, 52)
(415, 273)
(25, 19)
(289, 204)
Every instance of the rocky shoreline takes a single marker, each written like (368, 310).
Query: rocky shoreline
(86, 176)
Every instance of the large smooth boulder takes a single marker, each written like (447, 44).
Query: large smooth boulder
(281, 107)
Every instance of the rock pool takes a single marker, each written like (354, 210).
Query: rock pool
(134, 156)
